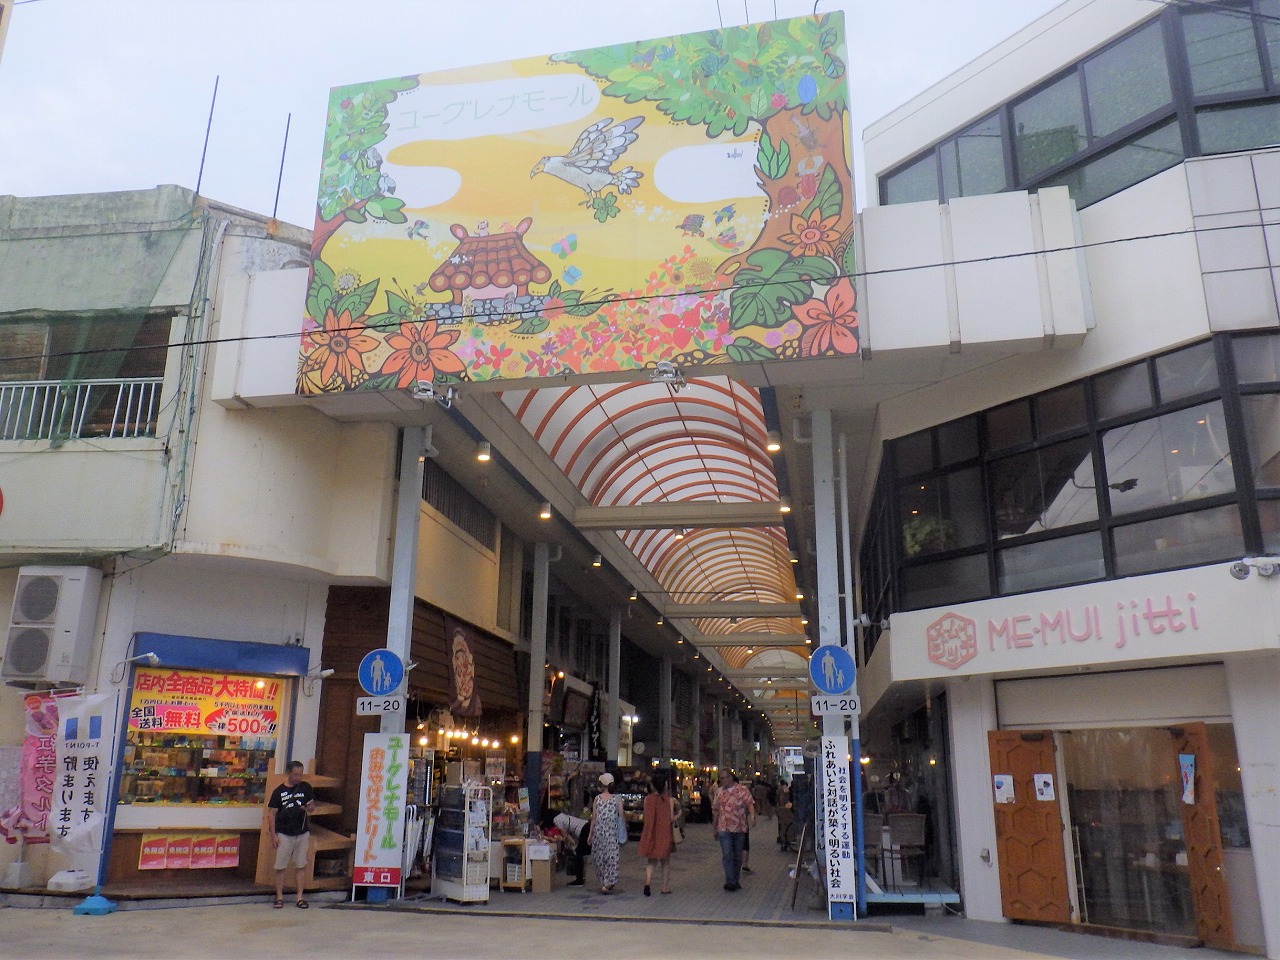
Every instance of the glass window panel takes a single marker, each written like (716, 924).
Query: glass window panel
(1123, 167)
(1270, 10)
(1257, 359)
(1171, 459)
(1222, 52)
(1051, 563)
(1049, 127)
(1269, 517)
(942, 513)
(1126, 390)
(1224, 130)
(919, 181)
(1262, 428)
(957, 441)
(1061, 410)
(948, 581)
(1009, 426)
(973, 162)
(1044, 489)
(1182, 540)
(1127, 81)
(1127, 822)
(914, 453)
(1186, 372)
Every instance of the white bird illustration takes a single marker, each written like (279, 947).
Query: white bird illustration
(586, 166)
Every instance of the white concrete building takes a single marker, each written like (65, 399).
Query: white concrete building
(1062, 539)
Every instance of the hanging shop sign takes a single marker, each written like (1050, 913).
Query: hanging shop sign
(204, 702)
(84, 751)
(464, 697)
(837, 821)
(685, 200)
(384, 778)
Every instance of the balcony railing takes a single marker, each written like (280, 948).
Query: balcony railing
(75, 409)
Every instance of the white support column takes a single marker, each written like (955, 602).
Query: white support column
(697, 725)
(537, 669)
(404, 558)
(971, 713)
(664, 711)
(720, 728)
(614, 678)
(1255, 711)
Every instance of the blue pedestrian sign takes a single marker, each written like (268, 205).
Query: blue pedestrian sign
(381, 672)
(831, 669)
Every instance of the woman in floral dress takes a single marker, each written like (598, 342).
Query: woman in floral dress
(606, 813)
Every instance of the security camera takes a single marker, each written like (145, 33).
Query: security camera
(151, 659)
(1266, 567)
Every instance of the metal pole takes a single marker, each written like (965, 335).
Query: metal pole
(404, 557)
(828, 563)
(858, 637)
(207, 127)
(537, 674)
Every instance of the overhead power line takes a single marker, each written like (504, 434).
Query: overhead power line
(688, 291)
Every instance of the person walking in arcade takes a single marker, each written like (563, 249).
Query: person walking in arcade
(733, 814)
(656, 839)
(608, 833)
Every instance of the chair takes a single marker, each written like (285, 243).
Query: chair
(906, 841)
(873, 843)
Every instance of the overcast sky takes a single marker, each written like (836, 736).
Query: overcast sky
(114, 94)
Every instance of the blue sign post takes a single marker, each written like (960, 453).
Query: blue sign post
(831, 669)
(381, 672)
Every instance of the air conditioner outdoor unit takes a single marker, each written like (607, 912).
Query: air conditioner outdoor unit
(50, 632)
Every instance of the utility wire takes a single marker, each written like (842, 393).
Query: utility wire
(686, 292)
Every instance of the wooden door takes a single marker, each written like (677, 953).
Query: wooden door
(1204, 841)
(1029, 836)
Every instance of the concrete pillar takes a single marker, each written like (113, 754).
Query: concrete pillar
(613, 694)
(537, 668)
(721, 753)
(971, 706)
(665, 710)
(697, 725)
(404, 558)
(1255, 711)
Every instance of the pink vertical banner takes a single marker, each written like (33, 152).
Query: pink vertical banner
(30, 818)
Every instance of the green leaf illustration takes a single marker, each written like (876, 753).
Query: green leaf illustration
(533, 324)
(830, 197)
(746, 350)
(770, 284)
(358, 300)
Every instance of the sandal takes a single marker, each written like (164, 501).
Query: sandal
(302, 904)
(278, 904)
(664, 891)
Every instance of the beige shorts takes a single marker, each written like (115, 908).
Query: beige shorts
(292, 849)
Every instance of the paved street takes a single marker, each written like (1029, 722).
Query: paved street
(700, 920)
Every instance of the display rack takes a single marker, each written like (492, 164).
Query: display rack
(331, 855)
(460, 867)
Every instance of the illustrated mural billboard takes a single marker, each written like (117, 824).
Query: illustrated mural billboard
(685, 199)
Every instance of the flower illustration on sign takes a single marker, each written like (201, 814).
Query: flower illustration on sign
(420, 353)
(831, 325)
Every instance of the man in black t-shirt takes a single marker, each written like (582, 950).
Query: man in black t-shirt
(287, 821)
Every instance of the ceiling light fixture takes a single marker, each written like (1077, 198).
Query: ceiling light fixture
(484, 452)
(544, 512)
(784, 505)
(661, 621)
(597, 560)
(791, 555)
(773, 441)
(635, 595)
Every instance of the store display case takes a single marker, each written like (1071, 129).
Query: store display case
(460, 867)
(180, 768)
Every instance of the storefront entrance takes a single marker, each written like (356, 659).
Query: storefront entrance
(1121, 828)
